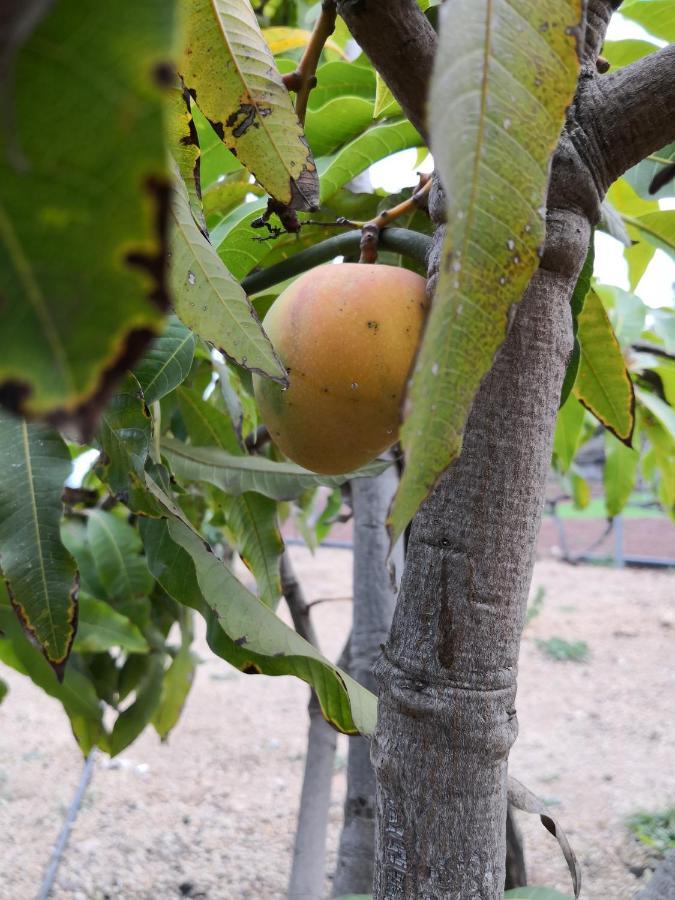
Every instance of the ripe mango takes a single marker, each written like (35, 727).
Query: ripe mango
(347, 335)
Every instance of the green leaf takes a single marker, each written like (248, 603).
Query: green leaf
(100, 628)
(183, 141)
(581, 490)
(252, 519)
(623, 53)
(641, 175)
(603, 384)
(4, 690)
(659, 409)
(206, 425)
(238, 245)
(238, 474)
(619, 474)
(83, 185)
(340, 120)
(39, 572)
(281, 39)
(374, 144)
(74, 537)
(209, 300)
(567, 432)
(167, 363)
(175, 688)
(579, 294)
(505, 73)
(215, 160)
(385, 102)
(132, 721)
(626, 311)
(124, 436)
(244, 631)
(658, 228)
(341, 79)
(115, 547)
(656, 16)
(230, 72)
(535, 893)
(75, 692)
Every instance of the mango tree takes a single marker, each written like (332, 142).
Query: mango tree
(149, 218)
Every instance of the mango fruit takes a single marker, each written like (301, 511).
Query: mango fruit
(347, 334)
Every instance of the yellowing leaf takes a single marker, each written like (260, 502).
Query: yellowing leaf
(504, 74)
(229, 70)
(281, 39)
(603, 384)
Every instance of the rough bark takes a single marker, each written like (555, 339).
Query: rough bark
(374, 597)
(447, 676)
(308, 870)
(400, 42)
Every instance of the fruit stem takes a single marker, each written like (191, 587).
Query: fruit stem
(400, 240)
(370, 232)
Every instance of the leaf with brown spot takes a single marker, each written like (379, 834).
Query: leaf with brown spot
(505, 72)
(39, 572)
(230, 72)
(83, 207)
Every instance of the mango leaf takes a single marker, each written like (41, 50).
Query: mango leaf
(252, 520)
(243, 630)
(281, 39)
(579, 294)
(39, 572)
(603, 384)
(124, 436)
(627, 312)
(228, 69)
(75, 692)
(238, 474)
(176, 686)
(130, 723)
(167, 362)
(535, 893)
(81, 257)
(183, 141)
(100, 627)
(215, 160)
(623, 53)
(374, 144)
(659, 409)
(4, 690)
(115, 547)
(340, 120)
(581, 490)
(658, 228)
(641, 175)
(567, 432)
(619, 474)
(385, 102)
(656, 16)
(206, 425)
(209, 300)
(505, 73)
(340, 79)
(237, 243)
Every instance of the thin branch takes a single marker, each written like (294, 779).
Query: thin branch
(303, 79)
(401, 44)
(370, 232)
(400, 240)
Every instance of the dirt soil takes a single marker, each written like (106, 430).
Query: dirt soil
(211, 813)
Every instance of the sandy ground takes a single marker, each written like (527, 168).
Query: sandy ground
(211, 813)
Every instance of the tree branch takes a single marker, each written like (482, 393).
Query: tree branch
(397, 38)
(633, 112)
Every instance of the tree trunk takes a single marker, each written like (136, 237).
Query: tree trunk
(374, 592)
(308, 870)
